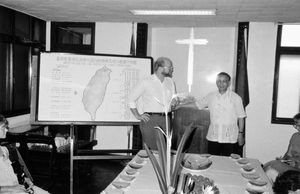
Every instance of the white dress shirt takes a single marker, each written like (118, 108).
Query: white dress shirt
(152, 95)
(224, 112)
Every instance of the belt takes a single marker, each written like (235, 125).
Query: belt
(159, 113)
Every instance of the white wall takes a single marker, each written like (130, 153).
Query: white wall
(113, 38)
(218, 55)
(264, 140)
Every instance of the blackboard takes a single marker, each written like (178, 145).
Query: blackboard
(86, 89)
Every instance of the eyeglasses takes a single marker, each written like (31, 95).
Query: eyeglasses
(168, 67)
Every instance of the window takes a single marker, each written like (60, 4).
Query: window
(21, 39)
(72, 37)
(286, 92)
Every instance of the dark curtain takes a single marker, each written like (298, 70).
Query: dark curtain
(241, 86)
(141, 51)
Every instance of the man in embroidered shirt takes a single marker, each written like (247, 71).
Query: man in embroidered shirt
(151, 98)
(227, 118)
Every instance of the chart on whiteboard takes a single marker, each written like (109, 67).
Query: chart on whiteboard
(76, 87)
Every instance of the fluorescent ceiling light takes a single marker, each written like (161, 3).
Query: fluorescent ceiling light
(174, 12)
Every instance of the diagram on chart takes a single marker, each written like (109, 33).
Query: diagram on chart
(87, 88)
(94, 92)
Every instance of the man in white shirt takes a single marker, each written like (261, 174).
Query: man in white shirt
(8, 179)
(151, 98)
(227, 118)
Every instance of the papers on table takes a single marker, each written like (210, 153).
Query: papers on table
(122, 183)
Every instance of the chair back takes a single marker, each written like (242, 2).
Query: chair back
(18, 163)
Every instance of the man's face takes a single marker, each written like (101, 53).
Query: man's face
(3, 131)
(222, 83)
(167, 69)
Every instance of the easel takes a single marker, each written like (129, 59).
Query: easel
(43, 105)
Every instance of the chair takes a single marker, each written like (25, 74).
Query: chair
(34, 149)
(39, 146)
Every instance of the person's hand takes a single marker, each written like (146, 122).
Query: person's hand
(144, 117)
(241, 139)
(28, 182)
(28, 185)
(174, 103)
(292, 163)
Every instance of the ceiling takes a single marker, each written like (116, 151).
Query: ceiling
(229, 12)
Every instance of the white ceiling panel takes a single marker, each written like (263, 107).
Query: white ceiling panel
(229, 12)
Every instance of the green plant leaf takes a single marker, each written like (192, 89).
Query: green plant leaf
(179, 155)
(158, 171)
(161, 146)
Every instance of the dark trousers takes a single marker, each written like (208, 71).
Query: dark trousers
(221, 149)
(148, 131)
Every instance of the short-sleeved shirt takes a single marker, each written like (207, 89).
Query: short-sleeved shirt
(151, 95)
(224, 112)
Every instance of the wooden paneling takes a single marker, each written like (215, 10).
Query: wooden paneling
(183, 117)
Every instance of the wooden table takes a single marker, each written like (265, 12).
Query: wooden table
(225, 171)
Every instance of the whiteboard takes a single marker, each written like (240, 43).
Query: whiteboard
(87, 89)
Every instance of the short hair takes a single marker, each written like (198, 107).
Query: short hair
(297, 116)
(160, 62)
(287, 181)
(3, 120)
(224, 74)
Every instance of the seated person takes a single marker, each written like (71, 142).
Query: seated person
(291, 159)
(8, 179)
(287, 183)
